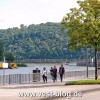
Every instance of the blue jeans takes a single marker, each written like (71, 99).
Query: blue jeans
(61, 77)
(54, 77)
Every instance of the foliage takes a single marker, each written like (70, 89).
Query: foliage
(9, 56)
(42, 41)
(83, 26)
(21, 65)
(83, 82)
(37, 42)
(1, 51)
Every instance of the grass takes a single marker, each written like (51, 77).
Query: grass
(83, 82)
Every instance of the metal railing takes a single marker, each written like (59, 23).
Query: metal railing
(35, 77)
(19, 78)
(76, 74)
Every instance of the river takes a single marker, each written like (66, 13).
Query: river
(33, 66)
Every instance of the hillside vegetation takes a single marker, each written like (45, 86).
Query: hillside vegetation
(42, 41)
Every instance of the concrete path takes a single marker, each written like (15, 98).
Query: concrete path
(49, 91)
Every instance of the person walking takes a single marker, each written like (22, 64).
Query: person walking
(44, 75)
(54, 73)
(61, 72)
(51, 72)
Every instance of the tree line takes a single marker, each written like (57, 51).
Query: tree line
(41, 41)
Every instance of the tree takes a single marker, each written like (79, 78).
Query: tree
(83, 26)
(9, 56)
(1, 51)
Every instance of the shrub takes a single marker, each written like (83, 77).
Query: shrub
(21, 65)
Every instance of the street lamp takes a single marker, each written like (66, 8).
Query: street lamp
(87, 61)
(4, 68)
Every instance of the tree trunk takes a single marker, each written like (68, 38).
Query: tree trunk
(96, 64)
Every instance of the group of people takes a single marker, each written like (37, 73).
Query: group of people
(53, 73)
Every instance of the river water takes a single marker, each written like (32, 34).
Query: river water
(33, 66)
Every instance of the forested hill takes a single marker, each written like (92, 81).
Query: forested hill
(37, 41)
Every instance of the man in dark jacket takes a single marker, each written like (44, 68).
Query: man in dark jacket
(61, 72)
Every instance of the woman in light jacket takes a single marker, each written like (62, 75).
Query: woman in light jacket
(44, 75)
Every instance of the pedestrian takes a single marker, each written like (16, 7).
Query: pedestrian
(54, 73)
(44, 75)
(51, 72)
(61, 72)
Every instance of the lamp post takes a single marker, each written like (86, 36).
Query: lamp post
(4, 55)
(61, 49)
(87, 61)
(92, 62)
(4, 68)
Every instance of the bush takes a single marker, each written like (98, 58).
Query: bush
(21, 65)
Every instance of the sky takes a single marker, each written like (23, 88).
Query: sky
(13, 13)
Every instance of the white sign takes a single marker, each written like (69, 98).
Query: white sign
(5, 65)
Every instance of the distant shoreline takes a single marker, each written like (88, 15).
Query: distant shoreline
(41, 61)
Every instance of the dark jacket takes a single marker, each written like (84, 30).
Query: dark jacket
(61, 70)
(54, 70)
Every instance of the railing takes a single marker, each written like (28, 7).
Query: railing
(76, 74)
(35, 77)
(19, 78)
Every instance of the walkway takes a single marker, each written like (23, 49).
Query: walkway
(48, 91)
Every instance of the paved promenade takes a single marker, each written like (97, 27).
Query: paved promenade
(50, 91)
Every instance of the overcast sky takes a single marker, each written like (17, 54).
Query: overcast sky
(16, 12)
